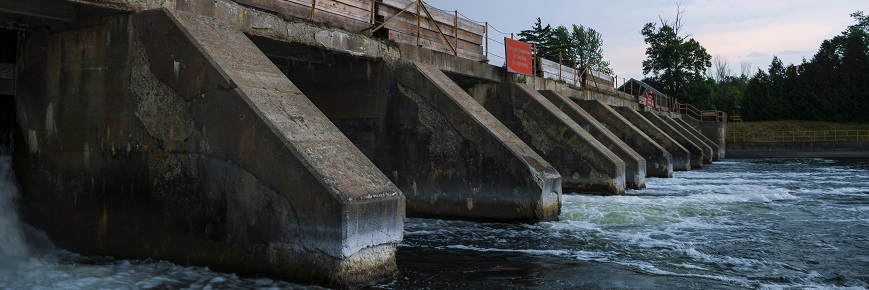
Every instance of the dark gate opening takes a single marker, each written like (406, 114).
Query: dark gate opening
(8, 54)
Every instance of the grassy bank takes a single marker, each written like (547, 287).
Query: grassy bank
(796, 131)
(767, 126)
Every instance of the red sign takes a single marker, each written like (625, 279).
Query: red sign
(649, 101)
(518, 56)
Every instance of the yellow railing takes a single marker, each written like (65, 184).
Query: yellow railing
(799, 136)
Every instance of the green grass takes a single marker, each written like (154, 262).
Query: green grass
(767, 126)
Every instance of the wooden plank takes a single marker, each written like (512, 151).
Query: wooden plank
(409, 29)
(289, 9)
(475, 55)
(439, 16)
(335, 7)
(360, 4)
(410, 19)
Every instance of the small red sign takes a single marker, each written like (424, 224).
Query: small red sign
(518, 56)
(649, 99)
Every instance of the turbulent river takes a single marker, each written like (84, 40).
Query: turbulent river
(763, 223)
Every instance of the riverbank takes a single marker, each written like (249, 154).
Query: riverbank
(850, 149)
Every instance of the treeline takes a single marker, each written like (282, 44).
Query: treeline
(833, 86)
(578, 45)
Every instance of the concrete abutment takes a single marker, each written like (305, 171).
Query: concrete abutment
(700, 154)
(238, 139)
(177, 150)
(683, 159)
(635, 165)
(659, 162)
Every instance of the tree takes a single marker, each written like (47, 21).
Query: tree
(672, 59)
(539, 37)
(587, 44)
(561, 43)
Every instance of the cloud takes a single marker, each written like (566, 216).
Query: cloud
(757, 54)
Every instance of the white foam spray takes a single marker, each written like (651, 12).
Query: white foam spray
(13, 245)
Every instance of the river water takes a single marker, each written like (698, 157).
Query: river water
(763, 223)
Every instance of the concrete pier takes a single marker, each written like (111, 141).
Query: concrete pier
(635, 165)
(585, 164)
(194, 149)
(700, 152)
(680, 153)
(659, 162)
(687, 129)
(467, 164)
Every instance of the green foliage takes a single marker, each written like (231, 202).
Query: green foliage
(580, 45)
(587, 46)
(833, 86)
(674, 61)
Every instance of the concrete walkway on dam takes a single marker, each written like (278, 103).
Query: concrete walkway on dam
(254, 143)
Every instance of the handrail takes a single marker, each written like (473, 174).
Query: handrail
(799, 136)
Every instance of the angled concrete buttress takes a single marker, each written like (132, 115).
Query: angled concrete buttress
(718, 153)
(635, 164)
(171, 136)
(585, 164)
(695, 137)
(456, 160)
(705, 152)
(675, 148)
(659, 162)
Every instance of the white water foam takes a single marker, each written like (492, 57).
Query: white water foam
(13, 245)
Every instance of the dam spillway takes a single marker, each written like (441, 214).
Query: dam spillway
(225, 135)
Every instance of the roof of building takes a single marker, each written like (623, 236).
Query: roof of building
(636, 88)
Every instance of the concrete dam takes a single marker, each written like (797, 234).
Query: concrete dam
(241, 136)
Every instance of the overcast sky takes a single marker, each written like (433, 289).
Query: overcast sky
(738, 30)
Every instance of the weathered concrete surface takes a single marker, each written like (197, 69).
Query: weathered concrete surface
(584, 163)
(455, 160)
(675, 148)
(717, 132)
(699, 155)
(659, 162)
(717, 152)
(451, 64)
(280, 25)
(635, 164)
(195, 149)
(709, 155)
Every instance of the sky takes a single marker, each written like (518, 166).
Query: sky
(739, 31)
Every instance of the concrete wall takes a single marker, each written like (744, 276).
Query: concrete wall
(699, 152)
(177, 150)
(584, 163)
(405, 126)
(683, 159)
(710, 155)
(717, 151)
(659, 162)
(635, 165)
(456, 160)
(717, 132)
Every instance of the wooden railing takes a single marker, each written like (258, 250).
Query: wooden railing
(403, 21)
(799, 136)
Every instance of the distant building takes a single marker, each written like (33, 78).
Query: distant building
(640, 89)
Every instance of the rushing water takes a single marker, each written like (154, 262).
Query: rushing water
(773, 224)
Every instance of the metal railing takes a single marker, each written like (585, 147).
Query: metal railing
(799, 136)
